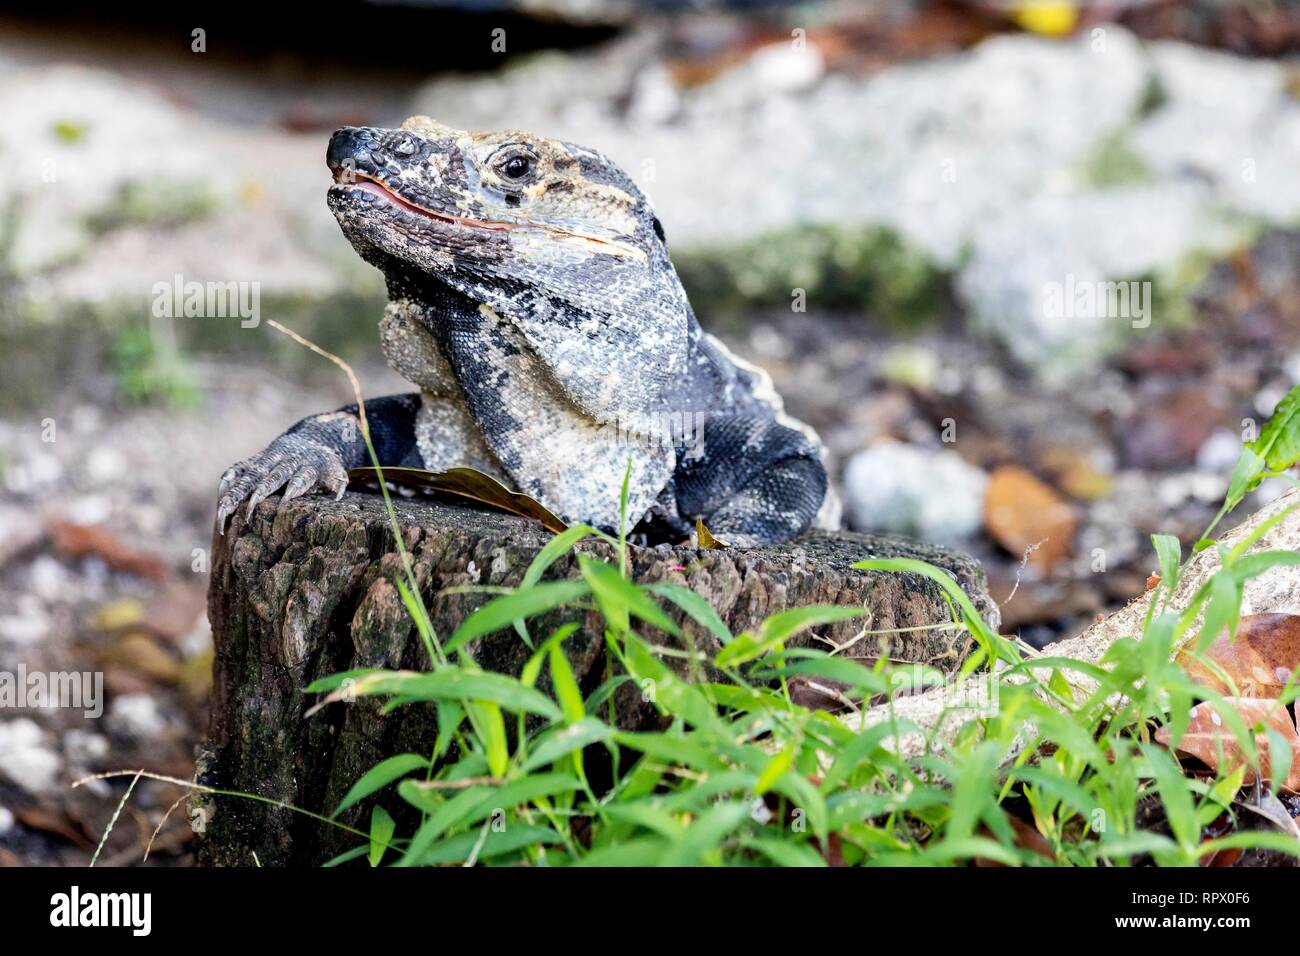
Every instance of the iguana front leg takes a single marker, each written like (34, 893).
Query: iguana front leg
(318, 451)
(756, 482)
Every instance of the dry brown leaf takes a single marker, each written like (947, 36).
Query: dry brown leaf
(707, 540)
(1022, 512)
(1209, 739)
(1027, 838)
(465, 483)
(140, 654)
(1076, 473)
(56, 822)
(1260, 660)
(86, 541)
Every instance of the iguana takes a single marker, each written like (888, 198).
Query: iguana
(533, 302)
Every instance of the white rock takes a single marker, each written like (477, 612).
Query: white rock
(1219, 453)
(137, 716)
(30, 625)
(931, 494)
(26, 757)
(84, 748)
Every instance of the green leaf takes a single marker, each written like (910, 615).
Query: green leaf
(840, 669)
(695, 607)
(705, 834)
(471, 806)
(382, 828)
(515, 837)
(775, 769)
(323, 685)
(524, 603)
(565, 740)
(646, 851)
(1279, 440)
(442, 815)
(648, 816)
(786, 854)
(415, 607)
(566, 685)
(671, 749)
(552, 551)
(1221, 796)
(670, 692)
(1176, 796)
(973, 790)
(459, 685)
(774, 631)
(1280, 757)
(380, 776)
(1170, 554)
(491, 726)
(861, 748)
(619, 597)
(806, 797)
(347, 856)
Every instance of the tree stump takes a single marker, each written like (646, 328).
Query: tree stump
(307, 591)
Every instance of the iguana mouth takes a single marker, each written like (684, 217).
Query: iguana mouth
(364, 182)
(378, 187)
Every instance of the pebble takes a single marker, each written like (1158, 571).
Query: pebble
(26, 757)
(933, 494)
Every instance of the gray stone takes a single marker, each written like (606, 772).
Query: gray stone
(930, 493)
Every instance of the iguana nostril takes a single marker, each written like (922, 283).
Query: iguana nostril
(404, 146)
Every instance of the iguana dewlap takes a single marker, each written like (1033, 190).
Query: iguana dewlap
(533, 303)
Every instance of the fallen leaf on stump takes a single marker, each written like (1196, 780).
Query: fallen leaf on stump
(1020, 511)
(1260, 659)
(1209, 740)
(463, 483)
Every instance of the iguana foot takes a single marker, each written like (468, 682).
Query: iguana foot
(318, 451)
(293, 462)
(757, 482)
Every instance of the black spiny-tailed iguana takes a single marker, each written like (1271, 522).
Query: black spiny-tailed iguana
(533, 302)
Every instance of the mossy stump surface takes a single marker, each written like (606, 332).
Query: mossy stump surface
(308, 591)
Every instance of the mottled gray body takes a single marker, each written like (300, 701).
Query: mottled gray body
(534, 305)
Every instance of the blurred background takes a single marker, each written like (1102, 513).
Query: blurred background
(891, 206)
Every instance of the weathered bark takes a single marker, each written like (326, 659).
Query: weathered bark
(308, 591)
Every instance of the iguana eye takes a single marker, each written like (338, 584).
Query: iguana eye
(516, 167)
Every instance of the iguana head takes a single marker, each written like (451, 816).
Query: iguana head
(428, 194)
(553, 236)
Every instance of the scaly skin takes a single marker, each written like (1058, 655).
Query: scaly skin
(533, 302)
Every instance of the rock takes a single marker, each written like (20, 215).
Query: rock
(308, 591)
(899, 488)
(26, 758)
(136, 716)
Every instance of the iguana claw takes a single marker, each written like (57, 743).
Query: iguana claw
(292, 462)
